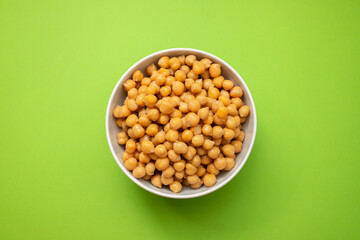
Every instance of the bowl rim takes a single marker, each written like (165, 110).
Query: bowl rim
(170, 194)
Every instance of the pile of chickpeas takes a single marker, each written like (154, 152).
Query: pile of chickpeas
(181, 124)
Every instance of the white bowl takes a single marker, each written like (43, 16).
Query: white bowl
(118, 96)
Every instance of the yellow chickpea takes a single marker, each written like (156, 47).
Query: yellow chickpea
(185, 68)
(215, 70)
(175, 123)
(130, 164)
(205, 160)
(175, 186)
(220, 163)
(129, 84)
(165, 91)
(196, 87)
(198, 67)
(209, 180)
(222, 112)
(207, 83)
(164, 62)
(202, 99)
(208, 144)
(137, 76)
(164, 71)
(156, 181)
(218, 132)
(173, 156)
(122, 138)
(236, 92)
(152, 129)
(131, 120)
(237, 145)
(169, 81)
(243, 119)
(241, 136)
(217, 141)
(153, 156)
(150, 168)
(200, 171)
(174, 63)
(189, 82)
(181, 59)
(180, 147)
(197, 185)
(167, 127)
(194, 106)
(130, 146)
(180, 75)
(126, 156)
(198, 140)
(197, 129)
(153, 114)
(121, 112)
(212, 169)
(172, 135)
(190, 169)
(207, 130)
(230, 163)
(140, 100)
(192, 119)
(160, 151)
(225, 100)
(187, 135)
(218, 81)
(162, 163)
(138, 131)
(144, 121)
(190, 153)
(150, 100)
(168, 145)
(244, 111)
(163, 119)
(144, 158)
(228, 150)
(160, 79)
(192, 179)
(179, 175)
(166, 107)
(131, 104)
(169, 172)
(205, 75)
(179, 166)
(237, 101)
(228, 85)
(142, 89)
(150, 69)
(133, 93)
(147, 147)
(139, 172)
(214, 152)
(189, 98)
(206, 62)
(228, 134)
(196, 161)
(232, 110)
(213, 92)
(165, 180)
(190, 59)
(192, 75)
(178, 87)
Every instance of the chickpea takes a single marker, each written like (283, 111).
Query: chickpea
(220, 163)
(167, 127)
(201, 151)
(152, 129)
(119, 122)
(150, 69)
(236, 92)
(176, 114)
(237, 145)
(190, 59)
(166, 107)
(143, 88)
(165, 91)
(190, 169)
(122, 137)
(133, 93)
(192, 119)
(213, 92)
(198, 67)
(172, 135)
(144, 121)
(189, 82)
(180, 175)
(225, 100)
(205, 75)
(147, 147)
(232, 110)
(162, 163)
(140, 100)
(153, 114)
(168, 145)
(218, 81)
(130, 164)
(183, 107)
(228, 134)
(215, 70)
(214, 152)
(181, 59)
(160, 79)
(144, 158)
(192, 179)
(209, 180)
(169, 172)
(160, 151)
(129, 84)
(228, 150)
(178, 87)
(164, 62)
(198, 140)
(189, 98)
(237, 101)
(175, 101)
(205, 160)
(192, 75)
(212, 169)
(230, 163)
(175, 186)
(163, 119)
(187, 135)
(165, 180)
(196, 161)
(207, 130)
(165, 72)
(191, 152)
(130, 146)
(241, 136)
(218, 132)
(126, 156)
(150, 100)
(121, 112)
(207, 83)
(196, 87)
(179, 166)
(138, 131)
(137, 76)
(131, 104)
(139, 172)
(202, 99)
(185, 68)
(208, 144)
(153, 156)
(173, 156)
(228, 85)
(174, 63)
(243, 119)
(169, 81)
(194, 106)
(156, 181)
(222, 112)
(180, 147)
(197, 129)
(244, 111)
(180, 75)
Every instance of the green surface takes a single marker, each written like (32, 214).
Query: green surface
(59, 62)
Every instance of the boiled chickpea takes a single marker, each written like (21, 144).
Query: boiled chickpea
(185, 68)
(173, 156)
(241, 136)
(169, 172)
(121, 112)
(207, 84)
(181, 59)
(237, 101)
(163, 119)
(130, 146)
(150, 69)
(174, 63)
(131, 104)
(162, 163)
(192, 179)
(244, 111)
(150, 100)
(152, 129)
(213, 92)
(212, 169)
(130, 164)
(122, 138)
(209, 179)
(144, 121)
(218, 132)
(203, 113)
(200, 171)
(196, 161)
(192, 119)
(139, 172)
(133, 93)
(237, 145)
(178, 87)
(138, 131)
(176, 113)
(144, 158)
(236, 92)
(169, 80)
(156, 181)
(166, 180)
(198, 140)
(165, 72)
(215, 70)
(194, 106)
(164, 62)
(206, 62)
(140, 100)
(197, 129)
(196, 87)
(191, 152)
(129, 84)
(172, 135)
(214, 152)
(175, 123)
(190, 169)
(160, 79)
(189, 82)
(228, 150)
(147, 146)
(243, 119)
(220, 163)
(205, 160)
(153, 114)
(175, 186)
(201, 151)
(198, 67)
(208, 144)
(222, 112)
(168, 145)
(190, 59)
(187, 135)
(160, 151)
(230, 163)
(142, 89)
(205, 75)
(228, 134)
(232, 109)
(126, 156)
(228, 85)
(137, 76)
(218, 81)
(179, 175)
(225, 100)
(180, 75)
(180, 147)
(192, 75)
(207, 130)
(165, 91)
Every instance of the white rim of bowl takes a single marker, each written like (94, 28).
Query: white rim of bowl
(172, 195)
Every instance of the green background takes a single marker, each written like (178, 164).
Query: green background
(60, 60)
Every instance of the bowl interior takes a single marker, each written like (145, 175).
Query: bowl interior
(249, 127)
